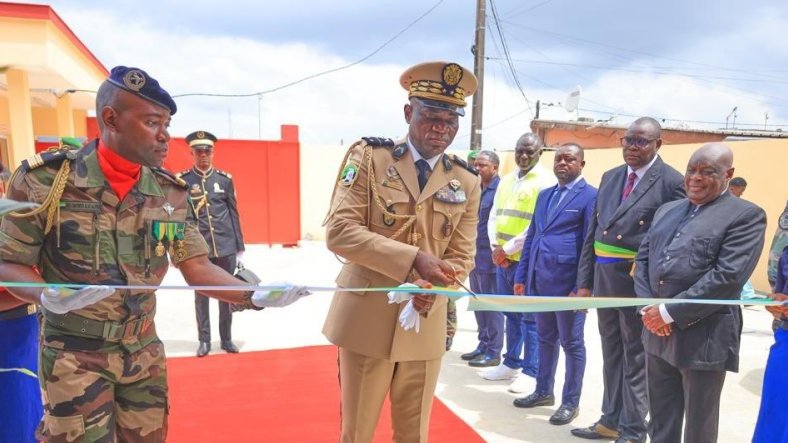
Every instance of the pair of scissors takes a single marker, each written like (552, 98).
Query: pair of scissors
(456, 280)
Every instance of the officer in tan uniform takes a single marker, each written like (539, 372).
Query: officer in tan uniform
(402, 211)
(109, 217)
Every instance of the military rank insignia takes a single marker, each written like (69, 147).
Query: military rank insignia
(349, 174)
(451, 193)
(173, 234)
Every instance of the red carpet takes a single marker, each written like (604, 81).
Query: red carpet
(289, 395)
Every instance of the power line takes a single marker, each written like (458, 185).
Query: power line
(319, 74)
(654, 70)
(508, 55)
(618, 48)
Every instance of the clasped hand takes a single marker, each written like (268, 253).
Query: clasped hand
(278, 298)
(653, 321)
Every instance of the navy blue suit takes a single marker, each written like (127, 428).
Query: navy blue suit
(548, 267)
(482, 278)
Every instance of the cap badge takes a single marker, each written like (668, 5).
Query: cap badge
(134, 80)
(452, 74)
(200, 134)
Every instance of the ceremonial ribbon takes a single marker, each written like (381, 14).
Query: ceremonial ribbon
(484, 302)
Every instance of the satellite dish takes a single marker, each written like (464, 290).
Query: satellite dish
(573, 100)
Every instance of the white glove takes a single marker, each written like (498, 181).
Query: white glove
(63, 300)
(239, 256)
(278, 298)
(408, 318)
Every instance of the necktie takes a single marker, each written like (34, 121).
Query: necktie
(554, 199)
(424, 172)
(629, 186)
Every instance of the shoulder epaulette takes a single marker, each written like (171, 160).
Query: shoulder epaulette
(182, 173)
(171, 177)
(378, 142)
(226, 174)
(463, 163)
(50, 156)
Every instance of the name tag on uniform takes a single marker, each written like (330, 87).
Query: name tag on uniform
(94, 207)
(449, 195)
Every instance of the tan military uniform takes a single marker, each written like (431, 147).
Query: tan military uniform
(378, 221)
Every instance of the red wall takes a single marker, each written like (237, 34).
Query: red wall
(267, 181)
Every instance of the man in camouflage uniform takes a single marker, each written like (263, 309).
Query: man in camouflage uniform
(102, 366)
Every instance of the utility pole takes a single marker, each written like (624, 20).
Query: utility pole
(478, 71)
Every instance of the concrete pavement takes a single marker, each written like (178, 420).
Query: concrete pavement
(485, 405)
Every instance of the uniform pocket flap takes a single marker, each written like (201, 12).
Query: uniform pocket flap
(349, 279)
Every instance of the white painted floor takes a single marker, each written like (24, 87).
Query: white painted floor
(485, 405)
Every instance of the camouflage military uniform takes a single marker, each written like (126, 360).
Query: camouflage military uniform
(779, 243)
(102, 368)
(451, 322)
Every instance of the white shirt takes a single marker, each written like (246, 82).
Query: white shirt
(568, 187)
(416, 156)
(639, 172)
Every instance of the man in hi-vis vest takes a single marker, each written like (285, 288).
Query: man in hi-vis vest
(510, 216)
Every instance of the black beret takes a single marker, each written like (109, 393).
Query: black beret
(200, 138)
(139, 83)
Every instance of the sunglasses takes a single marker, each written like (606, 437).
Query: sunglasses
(638, 142)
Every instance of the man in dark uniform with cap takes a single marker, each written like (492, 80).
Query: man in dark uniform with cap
(212, 197)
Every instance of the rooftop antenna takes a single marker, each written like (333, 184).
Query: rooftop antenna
(732, 114)
(572, 101)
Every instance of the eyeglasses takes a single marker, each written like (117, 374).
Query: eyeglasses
(638, 142)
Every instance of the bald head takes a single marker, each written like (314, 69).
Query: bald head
(708, 172)
(716, 153)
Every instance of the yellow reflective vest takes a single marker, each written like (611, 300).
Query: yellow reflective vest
(515, 201)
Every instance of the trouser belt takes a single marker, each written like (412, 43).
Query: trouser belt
(18, 312)
(111, 331)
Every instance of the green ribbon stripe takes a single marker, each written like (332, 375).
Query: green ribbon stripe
(484, 302)
(605, 250)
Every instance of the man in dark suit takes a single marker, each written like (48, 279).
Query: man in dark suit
(548, 267)
(702, 247)
(628, 197)
(490, 323)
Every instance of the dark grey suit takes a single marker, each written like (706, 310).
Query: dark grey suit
(623, 225)
(705, 254)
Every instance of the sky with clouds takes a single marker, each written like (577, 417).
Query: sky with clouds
(689, 63)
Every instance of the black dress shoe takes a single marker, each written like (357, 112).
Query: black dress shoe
(203, 349)
(484, 361)
(597, 431)
(230, 347)
(535, 400)
(472, 355)
(564, 415)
